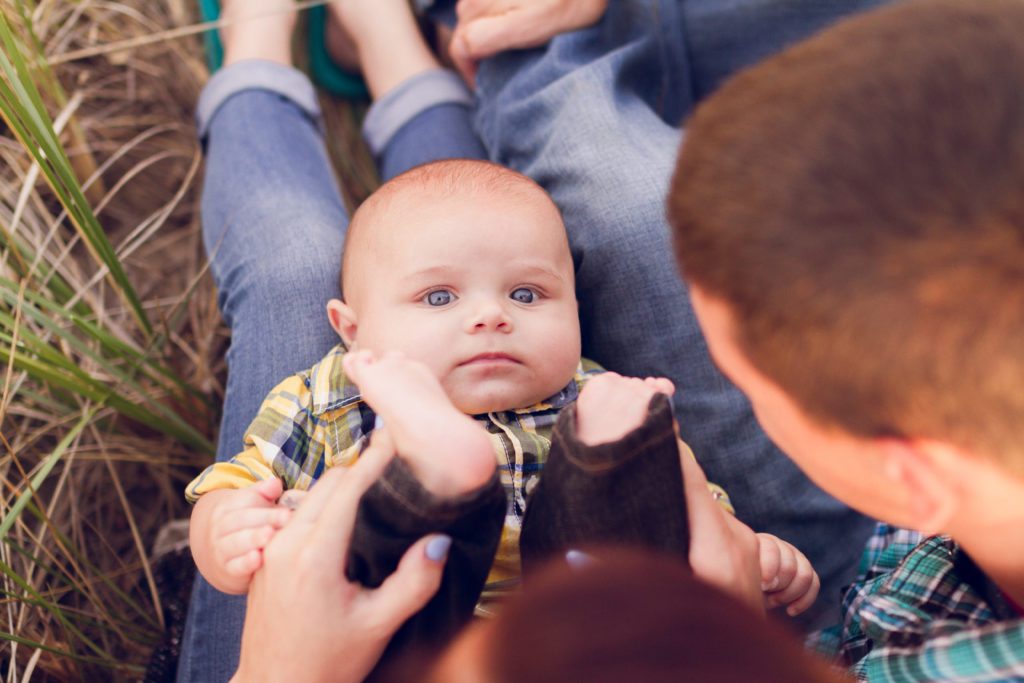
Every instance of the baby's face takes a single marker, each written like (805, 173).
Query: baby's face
(478, 287)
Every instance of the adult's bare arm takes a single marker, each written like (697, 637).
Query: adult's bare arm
(487, 27)
(305, 622)
(723, 550)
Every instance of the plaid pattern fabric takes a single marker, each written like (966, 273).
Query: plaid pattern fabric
(926, 612)
(317, 419)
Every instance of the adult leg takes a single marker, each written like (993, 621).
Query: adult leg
(592, 117)
(273, 225)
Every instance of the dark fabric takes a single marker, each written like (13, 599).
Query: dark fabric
(396, 512)
(629, 492)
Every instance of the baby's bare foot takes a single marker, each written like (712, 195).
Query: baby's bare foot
(447, 451)
(257, 29)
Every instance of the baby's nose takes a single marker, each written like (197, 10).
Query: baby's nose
(490, 316)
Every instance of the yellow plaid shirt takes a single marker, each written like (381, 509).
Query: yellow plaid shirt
(318, 419)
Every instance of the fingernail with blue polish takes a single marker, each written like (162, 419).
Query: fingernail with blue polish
(437, 547)
(577, 559)
(378, 422)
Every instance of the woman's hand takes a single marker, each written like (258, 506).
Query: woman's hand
(305, 621)
(487, 27)
(723, 550)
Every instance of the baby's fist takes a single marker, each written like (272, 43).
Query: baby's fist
(787, 577)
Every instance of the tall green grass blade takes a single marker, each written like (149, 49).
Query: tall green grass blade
(22, 108)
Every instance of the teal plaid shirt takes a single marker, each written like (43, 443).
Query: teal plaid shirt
(923, 611)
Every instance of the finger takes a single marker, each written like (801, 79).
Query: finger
(339, 511)
(241, 542)
(268, 489)
(703, 511)
(234, 521)
(791, 591)
(461, 59)
(787, 565)
(339, 479)
(353, 363)
(244, 565)
(516, 29)
(770, 561)
(413, 583)
(292, 498)
(662, 385)
(807, 599)
(797, 588)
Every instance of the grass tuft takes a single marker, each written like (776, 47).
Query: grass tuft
(111, 344)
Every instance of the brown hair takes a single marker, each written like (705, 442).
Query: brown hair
(633, 616)
(628, 616)
(437, 180)
(858, 203)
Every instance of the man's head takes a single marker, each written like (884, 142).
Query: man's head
(626, 616)
(465, 266)
(849, 215)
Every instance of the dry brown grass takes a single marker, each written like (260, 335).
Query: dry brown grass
(130, 131)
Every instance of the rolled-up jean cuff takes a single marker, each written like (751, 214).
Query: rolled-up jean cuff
(255, 74)
(427, 89)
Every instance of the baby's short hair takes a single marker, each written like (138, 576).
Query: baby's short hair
(437, 180)
(856, 202)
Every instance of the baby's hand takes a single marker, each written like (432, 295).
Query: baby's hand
(611, 406)
(787, 577)
(229, 530)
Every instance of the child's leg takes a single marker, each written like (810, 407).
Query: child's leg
(625, 493)
(443, 480)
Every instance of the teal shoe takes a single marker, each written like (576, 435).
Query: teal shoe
(324, 72)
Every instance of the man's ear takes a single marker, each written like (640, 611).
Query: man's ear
(934, 493)
(343, 320)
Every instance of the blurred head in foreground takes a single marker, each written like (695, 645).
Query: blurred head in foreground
(625, 616)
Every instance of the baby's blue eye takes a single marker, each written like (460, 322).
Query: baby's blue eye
(439, 297)
(524, 295)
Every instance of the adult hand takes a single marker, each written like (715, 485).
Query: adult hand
(723, 550)
(487, 27)
(305, 621)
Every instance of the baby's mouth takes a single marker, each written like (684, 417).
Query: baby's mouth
(490, 359)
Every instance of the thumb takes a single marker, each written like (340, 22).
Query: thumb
(702, 509)
(513, 30)
(269, 489)
(414, 582)
(464, 63)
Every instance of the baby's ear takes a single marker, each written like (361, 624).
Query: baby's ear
(343, 320)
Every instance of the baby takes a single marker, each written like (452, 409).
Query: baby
(459, 300)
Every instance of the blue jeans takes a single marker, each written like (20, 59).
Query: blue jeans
(274, 228)
(593, 117)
